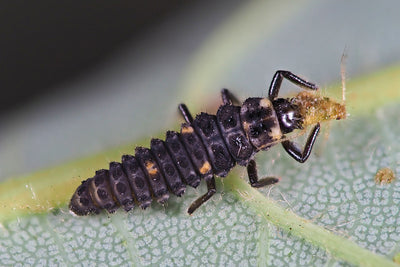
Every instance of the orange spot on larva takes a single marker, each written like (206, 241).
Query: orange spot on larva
(205, 168)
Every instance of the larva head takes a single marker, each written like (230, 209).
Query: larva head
(314, 108)
(288, 115)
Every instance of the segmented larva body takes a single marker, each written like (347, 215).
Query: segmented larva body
(210, 145)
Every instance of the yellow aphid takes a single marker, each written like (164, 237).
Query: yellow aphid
(315, 108)
(384, 176)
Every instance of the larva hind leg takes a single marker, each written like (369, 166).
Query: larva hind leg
(253, 176)
(211, 189)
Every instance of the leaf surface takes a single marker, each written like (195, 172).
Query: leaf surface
(334, 189)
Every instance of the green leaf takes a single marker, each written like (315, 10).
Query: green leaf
(326, 211)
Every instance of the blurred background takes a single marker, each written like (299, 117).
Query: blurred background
(77, 78)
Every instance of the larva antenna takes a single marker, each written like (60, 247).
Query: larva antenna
(343, 75)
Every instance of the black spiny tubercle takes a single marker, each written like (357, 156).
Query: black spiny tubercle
(208, 146)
